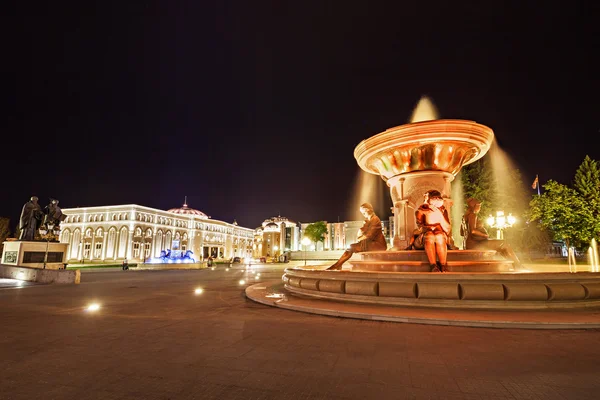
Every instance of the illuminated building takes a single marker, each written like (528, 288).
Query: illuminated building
(276, 236)
(134, 232)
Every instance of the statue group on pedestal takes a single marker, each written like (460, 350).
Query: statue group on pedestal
(432, 234)
(33, 217)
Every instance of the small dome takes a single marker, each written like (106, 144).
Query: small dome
(271, 227)
(185, 210)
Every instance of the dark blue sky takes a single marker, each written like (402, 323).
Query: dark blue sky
(253, 109)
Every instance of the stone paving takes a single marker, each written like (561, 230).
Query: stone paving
(154, 338)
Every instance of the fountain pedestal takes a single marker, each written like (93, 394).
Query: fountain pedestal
(407, 192)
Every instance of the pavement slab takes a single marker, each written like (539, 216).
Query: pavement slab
(154, 338)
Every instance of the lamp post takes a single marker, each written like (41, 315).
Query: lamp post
(305, 242)
(48, 232)
(501, 222)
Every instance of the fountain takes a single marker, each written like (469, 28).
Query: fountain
(412, 159)
(171, 257)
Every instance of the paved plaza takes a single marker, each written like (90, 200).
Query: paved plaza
(155, 338)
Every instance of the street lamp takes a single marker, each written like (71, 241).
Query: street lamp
(501, 222)
(305, 242)
(48, 232)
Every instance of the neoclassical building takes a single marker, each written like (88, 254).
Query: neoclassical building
(138, 233)
(276, 236)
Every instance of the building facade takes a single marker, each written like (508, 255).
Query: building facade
(276, 235)
(134, 232)
(279, 235)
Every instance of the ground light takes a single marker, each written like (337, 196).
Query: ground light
(93, 307)
(242, 282)
(198, 291)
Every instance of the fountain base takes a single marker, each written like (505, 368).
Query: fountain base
(477, 279)
(416, 261)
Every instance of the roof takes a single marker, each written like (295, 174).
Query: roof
(185, 210)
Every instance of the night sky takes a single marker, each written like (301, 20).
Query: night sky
(253, 109)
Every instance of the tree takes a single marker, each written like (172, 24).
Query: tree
(563, 212)
(587, 184)
(316, 231)
(587, 180)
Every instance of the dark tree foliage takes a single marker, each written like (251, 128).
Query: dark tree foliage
(500, 190)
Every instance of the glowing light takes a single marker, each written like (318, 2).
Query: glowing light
(226, 269)
(93, 307)
(21, 275)
(501, 222)
(242, 282)
(199, 291)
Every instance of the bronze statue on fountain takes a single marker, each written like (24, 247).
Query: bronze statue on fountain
(370, 237)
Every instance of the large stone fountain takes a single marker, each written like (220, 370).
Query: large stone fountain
(412, 159)
(417, 157)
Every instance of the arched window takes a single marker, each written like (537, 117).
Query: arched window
(168, 240)
(110, 245)
(158, 245)
(122, 251)
(75, 244)
(65, 236)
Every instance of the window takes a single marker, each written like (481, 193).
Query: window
(136, 249)
(98, 250)
(86, 250)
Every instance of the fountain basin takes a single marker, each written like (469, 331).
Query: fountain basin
(476, 290)
(439, 145)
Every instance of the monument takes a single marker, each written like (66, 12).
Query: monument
(413, 159)
(38, 245)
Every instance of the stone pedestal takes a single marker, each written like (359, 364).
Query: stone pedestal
(33, 253)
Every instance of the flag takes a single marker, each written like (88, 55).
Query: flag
(535, 183)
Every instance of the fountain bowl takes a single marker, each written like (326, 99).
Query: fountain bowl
(438, 145)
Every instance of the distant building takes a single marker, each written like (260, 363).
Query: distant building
(134, 232)
(276, 236)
